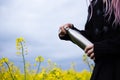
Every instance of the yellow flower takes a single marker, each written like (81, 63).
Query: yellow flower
(84, 57)
(85, 75)
(20, 46)
(4, 60)
(18, 43)
(1, 62)
(21, 39)
(39, 59)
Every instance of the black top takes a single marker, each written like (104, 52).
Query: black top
(105, 36)
(102, 32)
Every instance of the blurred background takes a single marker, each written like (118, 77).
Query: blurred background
(38, 21)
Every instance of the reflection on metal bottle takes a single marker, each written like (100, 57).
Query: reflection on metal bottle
(78, 38)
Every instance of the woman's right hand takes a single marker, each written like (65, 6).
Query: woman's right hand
(62, 31)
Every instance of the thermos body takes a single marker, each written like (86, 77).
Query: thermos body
(78, 38)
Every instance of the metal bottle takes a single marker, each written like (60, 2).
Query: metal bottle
(78, 38)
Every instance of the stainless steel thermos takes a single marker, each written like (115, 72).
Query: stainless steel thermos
(78, 38)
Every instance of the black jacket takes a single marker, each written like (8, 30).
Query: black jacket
(105, 36)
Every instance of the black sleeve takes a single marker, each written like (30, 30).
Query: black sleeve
(109, 47)
(83, 32)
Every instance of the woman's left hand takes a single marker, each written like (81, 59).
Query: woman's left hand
(89, 50)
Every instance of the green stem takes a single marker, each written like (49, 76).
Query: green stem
(23, 61)
(9, 70)
(37, 70)
(89, 64)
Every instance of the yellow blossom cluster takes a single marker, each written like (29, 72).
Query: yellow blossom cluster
(19, 42)
(21, 46)
(55, 73)
(9, 71)
(39, 59)
(3, 60)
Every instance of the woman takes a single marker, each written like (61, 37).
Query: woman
(103, 30)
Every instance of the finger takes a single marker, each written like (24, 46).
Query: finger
(69, 25)
(88, 48)
(89, 52)
(63, 31)
(92, 56)
(61, 35)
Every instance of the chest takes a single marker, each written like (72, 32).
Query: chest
(98, 25)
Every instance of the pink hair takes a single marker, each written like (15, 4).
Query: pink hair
(116, 9)
(112, 7)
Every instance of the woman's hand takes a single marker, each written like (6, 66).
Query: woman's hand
(89, 51)
(62, 31)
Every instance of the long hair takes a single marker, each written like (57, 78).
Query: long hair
(112, 7)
